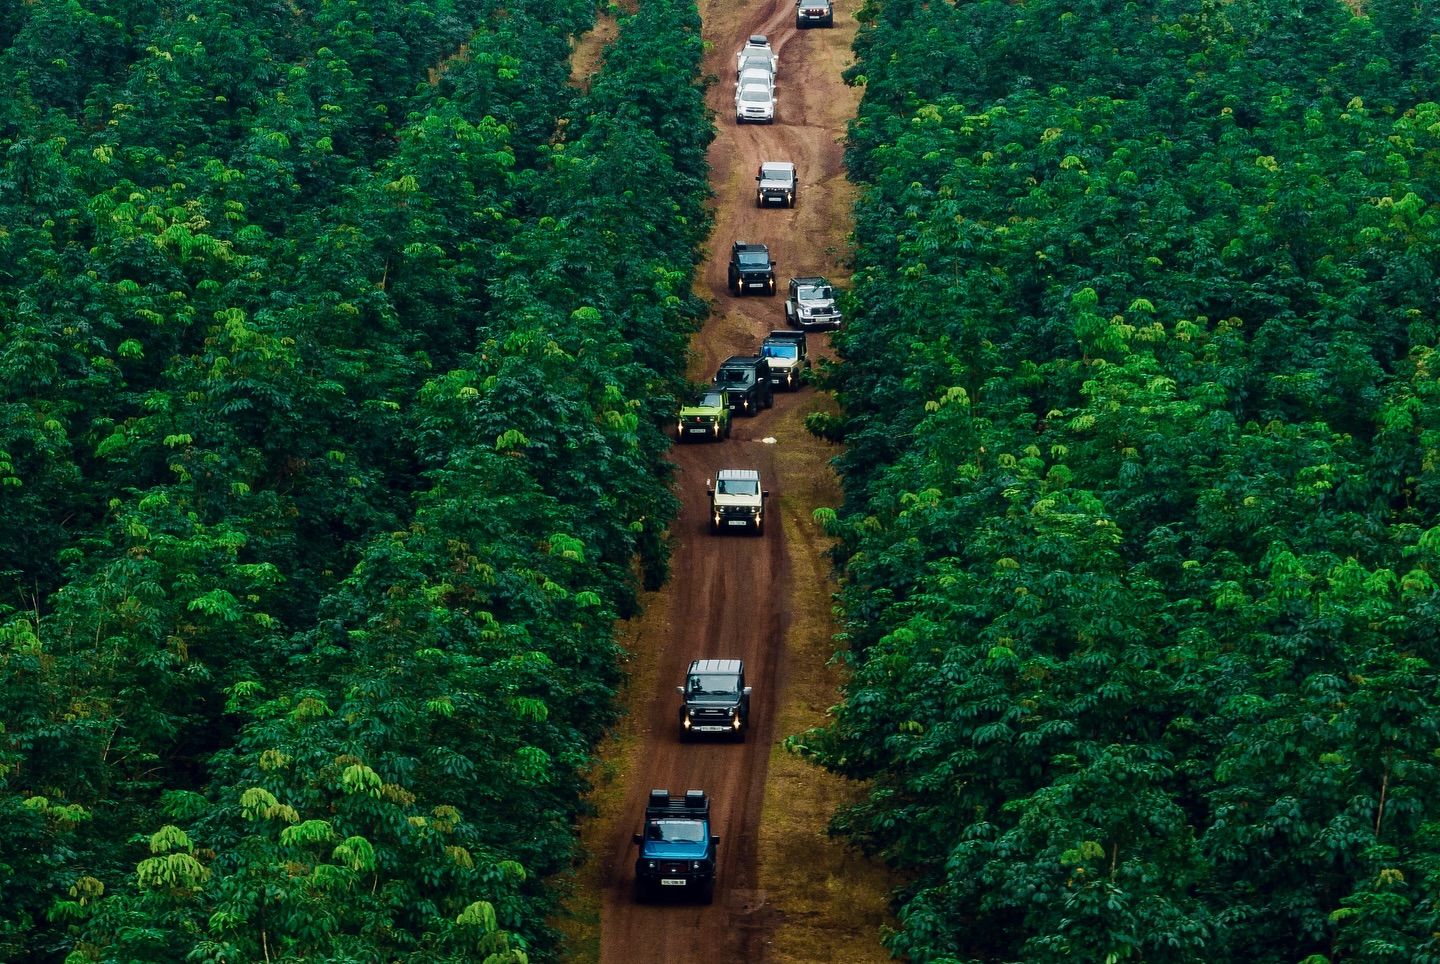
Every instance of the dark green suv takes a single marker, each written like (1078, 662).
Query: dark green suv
(715, 699)
(751, 269)
(747, 379)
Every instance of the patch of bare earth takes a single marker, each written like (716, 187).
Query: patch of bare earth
(786, 892)
(589, 50)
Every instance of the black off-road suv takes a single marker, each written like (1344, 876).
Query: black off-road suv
(747, 379)
(813, 13)
(715, 699)
(677, 849)
(751, 269)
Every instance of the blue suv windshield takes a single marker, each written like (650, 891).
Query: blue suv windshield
(676, 831)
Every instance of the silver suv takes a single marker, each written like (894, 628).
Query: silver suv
(757, 51)
(776, 181)
(811, 304)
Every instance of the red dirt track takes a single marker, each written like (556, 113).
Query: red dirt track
(732, 595)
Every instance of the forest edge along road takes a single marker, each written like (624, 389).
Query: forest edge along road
(735, 596)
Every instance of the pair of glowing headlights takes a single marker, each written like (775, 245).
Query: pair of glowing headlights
(754, 515)
(734, 719)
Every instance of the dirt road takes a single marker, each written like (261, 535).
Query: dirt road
(736, 595)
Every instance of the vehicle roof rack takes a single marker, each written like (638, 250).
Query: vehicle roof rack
(693, 804)
(715, 665)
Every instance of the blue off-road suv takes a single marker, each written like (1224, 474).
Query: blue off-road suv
(677, 850)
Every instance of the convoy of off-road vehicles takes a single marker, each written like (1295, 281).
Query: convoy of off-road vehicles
(678, 853)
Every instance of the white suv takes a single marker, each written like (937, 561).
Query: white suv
(758, 46)
(736, 499)
(755, 102)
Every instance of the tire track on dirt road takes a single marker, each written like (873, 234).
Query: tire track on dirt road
(731, 595)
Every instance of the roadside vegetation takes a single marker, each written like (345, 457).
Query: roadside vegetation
(331, 451)
(1142, 472)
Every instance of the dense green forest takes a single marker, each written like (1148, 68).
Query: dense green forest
(335, 339)
(1139, 547)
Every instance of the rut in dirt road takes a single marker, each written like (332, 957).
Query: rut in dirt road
(730, 596)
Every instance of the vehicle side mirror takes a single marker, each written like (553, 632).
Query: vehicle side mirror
(746, 691)
(680, 690)
(638, 839)
(764, 493)
(715, 840)
(757, 177)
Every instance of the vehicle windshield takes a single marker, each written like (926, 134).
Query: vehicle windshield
(708, 684)
(774, 174)
(754, 257)
(782, 351)
(755, 94)
(711, 400)
(676, 831)
(822, 293)
(734, 376)
(738, 487)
